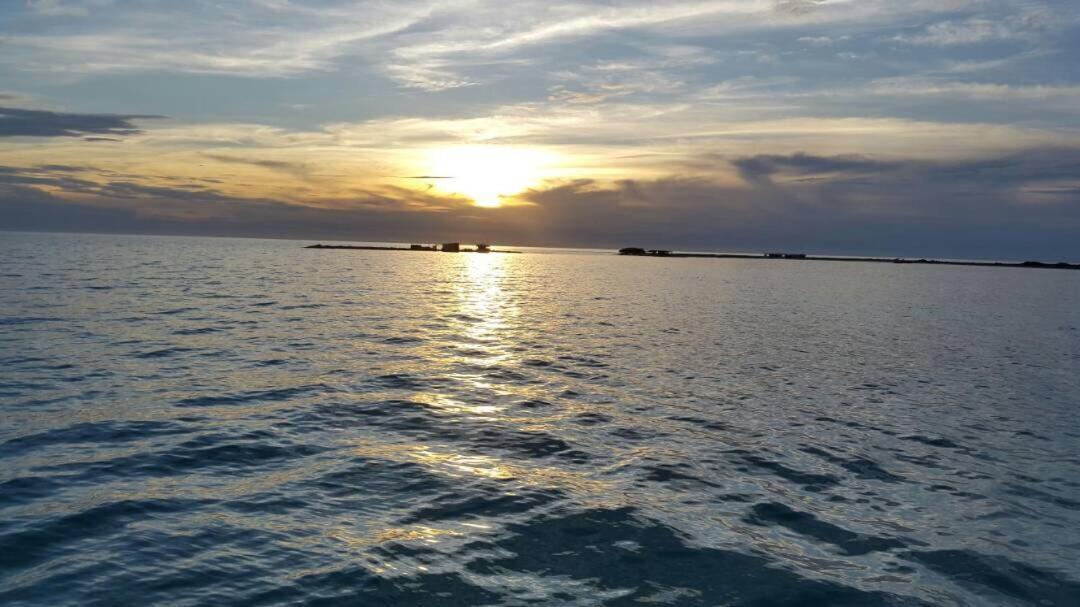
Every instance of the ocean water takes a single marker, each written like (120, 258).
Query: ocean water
(242, 422)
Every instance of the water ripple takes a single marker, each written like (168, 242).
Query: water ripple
(209, 422)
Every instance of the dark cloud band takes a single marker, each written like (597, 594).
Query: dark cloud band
(1020, 206)
(15, 122)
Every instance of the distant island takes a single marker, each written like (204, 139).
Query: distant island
(446, 247)
(640, 252)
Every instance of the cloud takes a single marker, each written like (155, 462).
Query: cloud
(295, 168)
(1029, 24)
(57, 178)
(822, 40)
(251, 39)
(759, 169)
(33, 198)
(1020, 205)
(240, 42)
(65, 8)
(1065, 97)
(1073, 190)
(16, 122)
(943, 99)
(15, 99)
(667, 116)
(798, 7)
(999, 174)
(847, 205)
(422, 44)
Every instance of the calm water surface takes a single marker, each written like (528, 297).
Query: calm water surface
(240, 422)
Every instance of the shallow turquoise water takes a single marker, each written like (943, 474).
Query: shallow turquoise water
(214, 421)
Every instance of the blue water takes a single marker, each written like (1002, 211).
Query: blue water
(242, 422)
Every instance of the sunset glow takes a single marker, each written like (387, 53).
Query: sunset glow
(694, 125)
(488, 175)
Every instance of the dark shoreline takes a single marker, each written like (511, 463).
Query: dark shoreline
(426, 249)
(897, 260)
(635, 252)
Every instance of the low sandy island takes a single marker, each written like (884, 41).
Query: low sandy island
(409, 248)
(639, 252)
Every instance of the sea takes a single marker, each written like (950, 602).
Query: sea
(205, 421)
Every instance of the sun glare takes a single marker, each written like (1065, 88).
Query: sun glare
(488, 175)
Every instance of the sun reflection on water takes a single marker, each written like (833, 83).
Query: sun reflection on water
(476, 357)
(483, 308)
(449, 462)
(450, 405)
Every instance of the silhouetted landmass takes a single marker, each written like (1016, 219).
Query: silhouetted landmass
(449, 247)
(637, 251)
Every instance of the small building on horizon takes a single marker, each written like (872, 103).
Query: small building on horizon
(451, 247)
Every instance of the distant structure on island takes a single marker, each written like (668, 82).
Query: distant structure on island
(637, 251)
(446, 247)
(455, 247)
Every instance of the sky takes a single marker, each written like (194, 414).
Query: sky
(946, 128)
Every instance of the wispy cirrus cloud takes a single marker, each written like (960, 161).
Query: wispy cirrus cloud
(420, 43)
(1061, 97)
(15, 99)
(1029, 24)
(262, 39)
(66, 8)
(299, 169)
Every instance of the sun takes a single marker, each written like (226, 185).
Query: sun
(486, 174)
